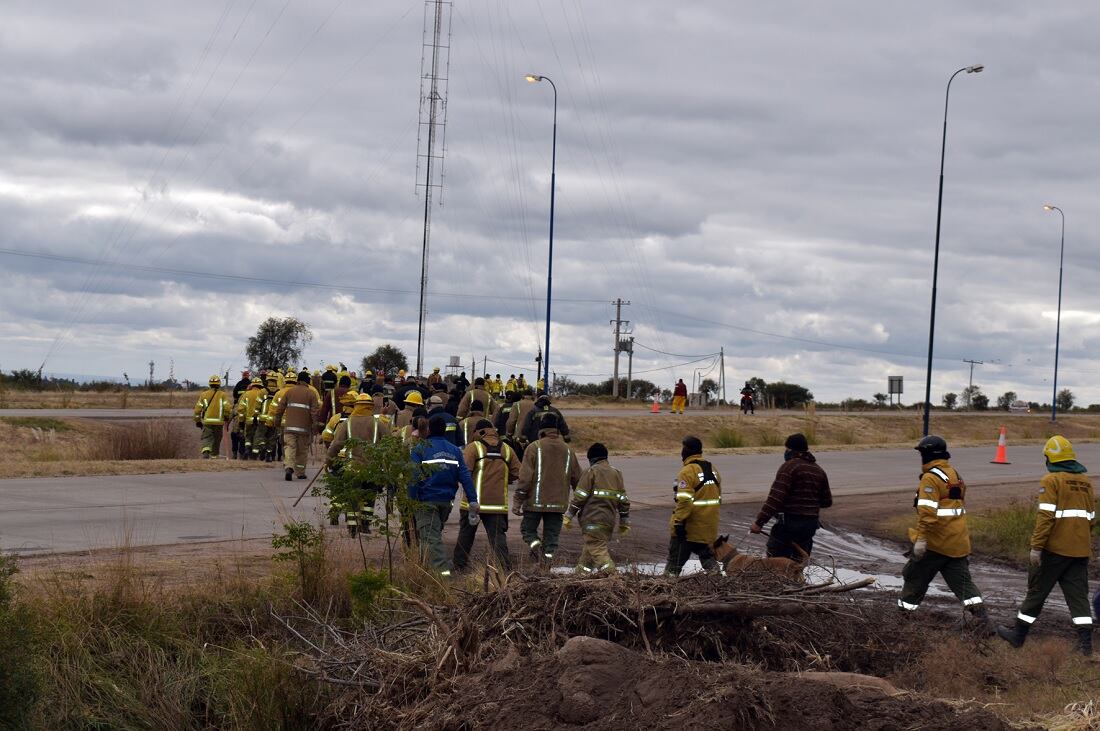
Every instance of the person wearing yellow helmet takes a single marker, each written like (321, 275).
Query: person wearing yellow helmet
(266, 440)
(212, 411)
(248, 417)
(1061, 545)
(412, 399)
(363, 425)
(347, 403)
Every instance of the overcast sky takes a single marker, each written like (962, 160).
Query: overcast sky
(755, 176)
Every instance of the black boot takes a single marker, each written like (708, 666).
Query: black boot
(289, 474)
(1084, 640)
(982, 620)
(1015, 635)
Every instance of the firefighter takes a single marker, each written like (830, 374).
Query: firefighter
(510, 386)
(679, 397)
(532, 418)
(347, 403)
(496, 388)
(1061, 545)
(493, 465)
(694, 524)
(248, 416)
(549, 473)
(212, 411)
(599, 498)
(467, 426)
(297, 412)
(525, 403)
(365, 426)
(941, 540)
(500, 419)
(413, 400)
(434, 492)
(265, 443)
(437, 408)
(799, 492)
(333, 397)
(477, 393)
(521, 383)
(236, 436)
(435, 377)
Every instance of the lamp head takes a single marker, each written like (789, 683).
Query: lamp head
(533, 78)
(975, 69)
(1048, 208)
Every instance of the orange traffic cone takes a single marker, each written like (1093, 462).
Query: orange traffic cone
(1002, 449)
(656, 404)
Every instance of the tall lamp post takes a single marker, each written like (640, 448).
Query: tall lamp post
(1058, 327)
(975, 69)
(534, 79)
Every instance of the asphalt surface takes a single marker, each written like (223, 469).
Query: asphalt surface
(41, 515)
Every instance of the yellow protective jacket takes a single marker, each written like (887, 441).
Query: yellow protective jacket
(267, 409)
(466, 425)
(941, 510)
(698, 500)
(599, 498)
(517, 416)
(213, 408)
(548, 474)
(329, 432)
(362, 425)
(1067, 513)
(248, 405)
(493, 465)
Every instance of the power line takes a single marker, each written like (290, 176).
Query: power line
(673, 355)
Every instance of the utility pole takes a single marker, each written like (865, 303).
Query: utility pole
(630, 368)
(722, 373)
(151, 364)
(435, 64)
(969, 390)
(619, 323)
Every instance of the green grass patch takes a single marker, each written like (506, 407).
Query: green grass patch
(1005, 532)
(770, 438)
(728, 438)
(37, 422)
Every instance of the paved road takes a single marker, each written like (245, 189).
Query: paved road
(79, 513)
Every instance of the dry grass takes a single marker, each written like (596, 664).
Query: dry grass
(36, 447)
(661, 433)
(134, 398)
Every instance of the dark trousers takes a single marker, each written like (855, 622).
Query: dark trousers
(955, 571)
(551, 531)
(680, 551)
(237, 441)
(790, 531)
(1072, 574)
(495, 525)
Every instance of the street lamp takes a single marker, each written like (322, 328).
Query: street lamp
(1058, 327)
(534, 79)
(975, 69)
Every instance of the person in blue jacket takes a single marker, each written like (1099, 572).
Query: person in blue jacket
(434, 492)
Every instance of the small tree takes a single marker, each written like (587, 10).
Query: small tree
(950, 400)
(1065, 400)
(980, 402)
(387, 359)
(1005, 400)
(278, 343)
(881, 399)
(788, 395)
(968, 395)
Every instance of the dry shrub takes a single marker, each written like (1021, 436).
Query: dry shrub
(150, 439)
(728, 438)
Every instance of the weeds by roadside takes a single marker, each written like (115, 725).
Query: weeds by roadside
(728, 438)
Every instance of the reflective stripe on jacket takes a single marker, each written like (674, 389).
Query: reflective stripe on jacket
(600, 497)
(214, 408)
(698, 500)
(493, 465)
(548, 475)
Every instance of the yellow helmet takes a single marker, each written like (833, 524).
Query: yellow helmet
(435, 370)
(330, 367)
(215, 381)
(414, 397)
(291, 377)
(1059, 449)
(368, 372)
(363, 398)
(401, 373)
(349, 398)
(316, 372)
(256, 381)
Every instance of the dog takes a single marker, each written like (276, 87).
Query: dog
(733, 562)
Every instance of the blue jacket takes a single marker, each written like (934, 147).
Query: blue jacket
(450, 472)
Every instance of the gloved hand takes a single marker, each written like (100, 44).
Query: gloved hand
(198, 425)
(624, 528)
(1035, 557)
(755, 528)
(681, 531)
(919, 548)
(517, 508)
(473, 515)
(567, 521)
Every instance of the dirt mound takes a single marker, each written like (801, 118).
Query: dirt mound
(595, 684)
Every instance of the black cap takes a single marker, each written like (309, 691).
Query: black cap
(797, 443)
(476, 405)
(692, 445)
(437, 426)
(550, 420)
(597, 452)
(483, 424)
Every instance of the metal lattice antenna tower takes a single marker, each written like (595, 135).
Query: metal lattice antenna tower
(435, 65)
